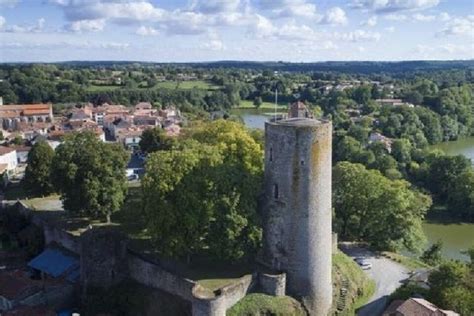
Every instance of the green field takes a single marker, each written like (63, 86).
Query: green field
(182, 85)
(186, 85)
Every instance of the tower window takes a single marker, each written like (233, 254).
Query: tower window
(276, 194)
(271, 154)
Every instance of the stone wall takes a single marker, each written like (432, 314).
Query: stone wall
(103, 254)
(105, 260)
(149, 273)
(225, 298)
(50, 231)
(272, 284)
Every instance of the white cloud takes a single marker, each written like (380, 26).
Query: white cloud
(262, 27)
(289, 8)
(443, 16)
(423, 18)
(187, 23)
(23, 28)
(459, 26)
(371, 22)
(384, 6)
(390, 29)
(335, 16)
(396, 17)
(359, 36)
(215, 45)
(216, 6)
(87, 45)
(122, 11)
(146, 31)
(444, 51)
(2, 21)
(87, 25)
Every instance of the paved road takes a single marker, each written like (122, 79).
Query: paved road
(386, 274)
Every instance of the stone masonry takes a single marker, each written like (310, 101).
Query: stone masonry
(297, 209)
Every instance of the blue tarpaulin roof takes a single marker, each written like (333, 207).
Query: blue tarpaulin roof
(56, 263)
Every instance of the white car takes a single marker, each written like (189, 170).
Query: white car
(364, 264)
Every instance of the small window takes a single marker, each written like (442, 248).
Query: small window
(302, 162)
(271, 154)
(276, 194)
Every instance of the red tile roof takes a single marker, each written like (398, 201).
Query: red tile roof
(14, 286)
(5, 150)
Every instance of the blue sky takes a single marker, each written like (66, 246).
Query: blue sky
(200, 30)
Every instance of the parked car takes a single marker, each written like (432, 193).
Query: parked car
(364, 264)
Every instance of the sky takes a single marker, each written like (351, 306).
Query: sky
(259, 30)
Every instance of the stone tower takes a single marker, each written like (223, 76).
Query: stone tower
(297, 211)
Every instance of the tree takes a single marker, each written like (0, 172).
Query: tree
(444, 172)
(382, 212)
(461, 195)
(37, 173)
(432, 255)
(17, 140)
(155, 139)
(202, 196)
(451, 287)
(257, 102)
(90, 175)
(401, 150)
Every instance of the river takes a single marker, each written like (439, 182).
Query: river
(458, 236)
(455, 237)
(254, 118)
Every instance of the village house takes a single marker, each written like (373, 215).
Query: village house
(15, 288)
(12, 115)
(377, 137)
(393, 102)
(416, 307)
(8, 162)
(299, 109)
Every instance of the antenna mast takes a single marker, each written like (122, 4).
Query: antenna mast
(276, 102)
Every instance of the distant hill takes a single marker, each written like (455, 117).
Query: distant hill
(361, 67)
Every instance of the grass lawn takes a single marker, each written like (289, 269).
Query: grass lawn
(47, 203)
(248, 104)
(410, 263)
(262, 304)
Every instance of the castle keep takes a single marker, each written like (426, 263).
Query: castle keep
(297, 211)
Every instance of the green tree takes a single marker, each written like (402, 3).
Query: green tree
(202, 196)
(452, 287)
(444, 172)
(370, 207)
(461, 195)
(432, 255)
(401, 150)
(257, 102)
(155, 139)
(37, 173)
(90, 175)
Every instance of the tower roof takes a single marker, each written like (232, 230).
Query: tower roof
(299, 121)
